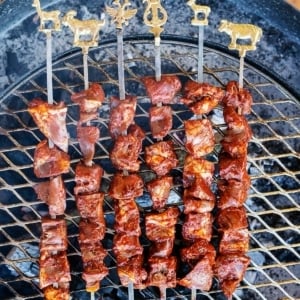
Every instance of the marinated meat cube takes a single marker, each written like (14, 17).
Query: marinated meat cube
(49, 162)
(54, 235)
(53, 193)
(51, 120)
(161, 121)
(232, 168)
(90, 232)
(159, 190)
(238, 98)
(232, 193)
(230, 270)
(200, 138)
(200, 190)
(89, 101)
(198, 250)
(87, 178)
(90, 206)
(137, 132)
(162, 272)
(94, 269)
(125, 153)
(125, 247)
(87, 137)
(133, 272)
(162, 91)
(232, 218)
(197, 167)
(235, 144)
(234, 240)
(202, 105)
(57, 293)
(161, 158)
(121, 115)
(126, 186)
(197, 226)
(161, 226)
(200, 277)
(127, 217)
(194, 205)
(162, 249)
(54, 269)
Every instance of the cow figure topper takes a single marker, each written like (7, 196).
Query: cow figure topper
(243, 32)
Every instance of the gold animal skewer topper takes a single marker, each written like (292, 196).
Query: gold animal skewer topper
(199, 10)
(243, 32)
(155, 16)
(121, 15)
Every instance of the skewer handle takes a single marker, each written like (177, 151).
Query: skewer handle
(130, 291)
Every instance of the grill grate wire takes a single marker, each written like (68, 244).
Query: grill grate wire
(273, 204)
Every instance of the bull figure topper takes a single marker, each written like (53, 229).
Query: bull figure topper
(243, 32)
(199, 10)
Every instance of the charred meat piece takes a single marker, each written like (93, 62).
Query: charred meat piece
(53, 193)
(94, 269)
(199, 190)
(235, 144)
(200, 138)
(90, 206)
(54, 235)
(87, 137)
(197, 226)
(234, 240)
(51, 120)
(90, 232)
(87, 178)
(162, 91)
(125, 153)
(125, 247)
(230, 270)
(161, 120)
(232, 193)
(54, 269)
(159, 190)
(161, 226)
(162, 272)
(162, 248)
(194, 205)
(89, 102)
(161, 158)
(200, 277)
(121, 115)
(137, 132)
(57, 293)
(197, 167)
(127, 217)
(232, 218)
(49, 162)
(201, 98)
(126, 186)
(240, 99)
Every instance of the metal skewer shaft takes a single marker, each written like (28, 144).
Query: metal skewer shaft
(163, 293)
(200, 53)
(193, 294)
(85, 69)
(92, 295)
(241, 73)
(121, 63)
(157, 63)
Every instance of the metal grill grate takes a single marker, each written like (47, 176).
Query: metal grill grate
(273, 204)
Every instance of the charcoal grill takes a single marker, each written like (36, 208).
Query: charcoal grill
(273, 204)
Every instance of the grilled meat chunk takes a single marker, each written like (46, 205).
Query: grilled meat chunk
(232, 218)
(160, 120)
(57, 293)
(234, 240)
(162, 248)
(90, 232)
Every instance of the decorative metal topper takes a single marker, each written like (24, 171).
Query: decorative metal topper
(121, 15)
(199, 10)
(241, 31)
(155, 16)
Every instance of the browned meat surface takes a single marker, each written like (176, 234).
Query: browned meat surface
(232, 218)
(162, 249)
(87, 178)
(126, 186)
(162, 272)
(159, 190)
(194, 167)
(121, 115)
(161, 120)
(125, 153)
(235, 144)
(52, 192)
(54, 268)
(162, 91)
(230, 270)
(90, 206)
(161, 226)
(54, 235)
(240, 99)
(87, 137)
(199, 190)
(160, 157)
(234, 240)
(197, 226)
(49, 162)
(200, 138)
(57, 293)
(90, 232)
(89, 102)
(194, 205)
(127, 217)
